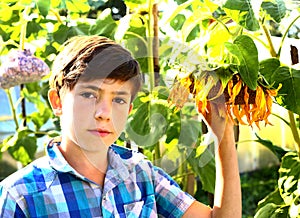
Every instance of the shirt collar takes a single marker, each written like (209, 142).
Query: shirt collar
(57, 160)
(121, 161)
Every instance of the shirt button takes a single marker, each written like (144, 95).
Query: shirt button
(104, 198)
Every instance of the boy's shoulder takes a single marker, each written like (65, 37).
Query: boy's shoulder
(34, 177)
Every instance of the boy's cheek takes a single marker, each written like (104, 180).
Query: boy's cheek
(119, 125)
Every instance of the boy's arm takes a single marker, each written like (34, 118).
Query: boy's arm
(227, 198)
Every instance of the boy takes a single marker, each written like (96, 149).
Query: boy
(84, 174)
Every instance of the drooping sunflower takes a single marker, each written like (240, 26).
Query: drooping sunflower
(244, 106)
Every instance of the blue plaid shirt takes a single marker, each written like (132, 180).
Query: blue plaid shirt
(133, 187)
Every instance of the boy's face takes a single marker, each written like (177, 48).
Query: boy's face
(94, 113)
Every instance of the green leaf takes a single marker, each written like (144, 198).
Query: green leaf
(272, 211)
(43, 111)
(190, 130)
(172, 131)
(276, 9)
(178, 10)
(61, 34)
(79, 29)
(290, 90)
(58, 4)
(244, 13)
(193, 34)
(49, 49)
(38, 118)
(142, 97)
(204, 167)
(183, 127)
(245, 51)
(248, 21)
(5, 12)
(289, 177)
(200, 13)
(96, 4)
(21, 2)
(216, 44)
(31, 89)
(137, 45)
(177, 22)
(33, 28)
(8, 142)
(105, 25)
(241, 5)
(274, 197)
(267, 67)
(149, 123)
(161, 92)
(77, 6)
(11, 140)
(44, 6)
(24, 149)
(278, 151)
(22, 146)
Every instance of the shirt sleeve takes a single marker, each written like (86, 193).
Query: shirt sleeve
(172, 201)
(8, 205)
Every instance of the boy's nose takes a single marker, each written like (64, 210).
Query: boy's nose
(103, 111)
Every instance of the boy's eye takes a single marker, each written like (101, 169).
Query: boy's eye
(88, 95)
(119, 100)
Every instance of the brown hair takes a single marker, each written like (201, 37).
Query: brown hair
(93, 57)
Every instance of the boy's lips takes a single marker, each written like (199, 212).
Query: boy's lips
(100, 132)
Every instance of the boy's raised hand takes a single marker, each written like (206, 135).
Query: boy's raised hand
(217, 119)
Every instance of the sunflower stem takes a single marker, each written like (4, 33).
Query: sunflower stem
(293, 126)
(271, 46)
(285, 35)
(294, 131)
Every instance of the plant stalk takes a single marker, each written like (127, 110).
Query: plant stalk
(56, 15)
(285, 34)
(13, 110)
(157, 155)
(22, 47)
(268, 35)
(155, 46)
(295, 60)
(137, 36)
(149, 31)
(181, 170)
(150, 46)
(294, 131)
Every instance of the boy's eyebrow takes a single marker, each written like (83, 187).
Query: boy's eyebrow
(96, 88)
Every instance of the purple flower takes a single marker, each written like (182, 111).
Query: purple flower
(21, 67)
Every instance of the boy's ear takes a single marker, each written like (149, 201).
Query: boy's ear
(55, 101)
(130, 108)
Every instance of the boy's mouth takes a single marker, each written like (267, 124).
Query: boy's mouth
(100, 132)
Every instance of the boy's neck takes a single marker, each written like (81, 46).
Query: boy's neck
(92, 165)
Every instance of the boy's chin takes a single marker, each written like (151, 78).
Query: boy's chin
(96, 148)
(94, 145)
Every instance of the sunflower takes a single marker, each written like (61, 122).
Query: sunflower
(244, 106)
